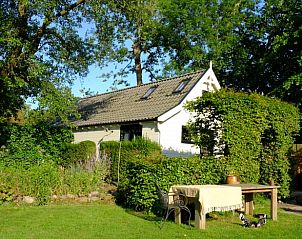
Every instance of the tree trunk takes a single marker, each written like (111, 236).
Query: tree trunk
(137, 60)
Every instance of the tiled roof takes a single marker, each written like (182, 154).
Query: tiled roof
(127, 105)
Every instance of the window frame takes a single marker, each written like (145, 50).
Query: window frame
(185, 137)
(181, 85)
(149, 92)
(132, 130)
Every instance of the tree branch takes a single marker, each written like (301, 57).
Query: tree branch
(48, 20)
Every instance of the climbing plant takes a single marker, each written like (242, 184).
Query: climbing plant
(255, 133)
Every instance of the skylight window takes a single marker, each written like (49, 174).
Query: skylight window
(181, 86)
(149, 92)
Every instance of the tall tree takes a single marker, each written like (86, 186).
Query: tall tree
(199, 31)
(267, 56)
(136, 30)
(255, 44)
(41, 47)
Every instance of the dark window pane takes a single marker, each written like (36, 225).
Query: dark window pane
(149, 92)
(181, 86)
(185, 136)
(130, 132)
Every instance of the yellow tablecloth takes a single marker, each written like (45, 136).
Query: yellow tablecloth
(212, 197)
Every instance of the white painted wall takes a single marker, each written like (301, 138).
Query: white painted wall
(96, 134)
(170, 124)
(170, 134)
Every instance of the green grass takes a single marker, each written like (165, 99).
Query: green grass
(96, 220)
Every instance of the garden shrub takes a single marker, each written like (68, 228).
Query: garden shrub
(6, 194)
(45, 179)
(78, 180)
(82, 153)
(137, 190)
(118, 153)
(32, 144)
(31, 158)
(37, 180)
(257, 133)
(23, 147)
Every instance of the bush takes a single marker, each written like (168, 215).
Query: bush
(137, 190)
(78, 180)
(6, 194)
(37, 180)
(82, 153)
(45, 179)
(31, 160)
(117, 154)
(256, 132)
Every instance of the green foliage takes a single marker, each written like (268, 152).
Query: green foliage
(257, 133)
(6, 194)
(32, 144)
(137, 35)
(81, 181)
(254, 45)
(43, 46)
(118, 153)
(137, 189)
(82, 152)
(23, 147)
(31, 158)
(35, 180)
(46, 179)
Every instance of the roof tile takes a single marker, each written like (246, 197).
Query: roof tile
(127, 105)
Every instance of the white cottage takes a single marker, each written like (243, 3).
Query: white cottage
(154, 111)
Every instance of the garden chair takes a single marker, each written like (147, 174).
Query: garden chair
(171, 201)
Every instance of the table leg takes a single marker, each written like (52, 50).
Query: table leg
(274, 203)
(200, 218)
(177, 214)
(248, 203)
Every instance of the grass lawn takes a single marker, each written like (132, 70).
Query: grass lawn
(94, 220)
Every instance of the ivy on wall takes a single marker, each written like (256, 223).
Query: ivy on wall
(255, 132)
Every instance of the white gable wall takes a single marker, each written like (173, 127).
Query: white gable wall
(170, 124)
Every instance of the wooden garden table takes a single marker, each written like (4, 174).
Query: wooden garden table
(248, 191)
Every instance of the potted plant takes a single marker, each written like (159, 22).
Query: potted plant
(232, 175)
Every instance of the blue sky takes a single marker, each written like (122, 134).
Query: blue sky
(94, 83)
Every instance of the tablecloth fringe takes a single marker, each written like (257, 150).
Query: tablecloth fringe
(223, 209)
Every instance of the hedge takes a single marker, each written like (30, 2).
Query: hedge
(255, 131)
(138, 191)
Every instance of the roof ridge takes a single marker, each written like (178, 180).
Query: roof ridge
(149, 83)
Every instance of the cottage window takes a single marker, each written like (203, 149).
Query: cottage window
(130, 132)
(181, 85)
(149, 92)
(186, 136)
